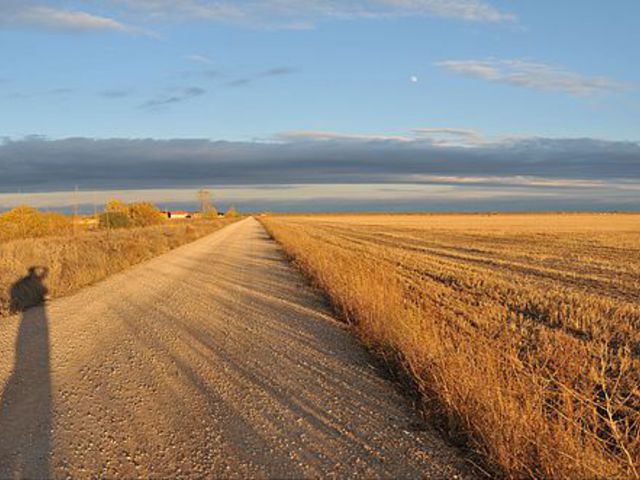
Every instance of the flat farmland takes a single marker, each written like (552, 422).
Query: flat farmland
(520, 331)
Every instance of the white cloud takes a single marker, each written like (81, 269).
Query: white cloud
(49, 18)
(440, 137)
(301, 14)
(293, 14)
(314, 135)
(515, 181)
(196, 58)
(470, 10)
(536, 76)
(451, 136)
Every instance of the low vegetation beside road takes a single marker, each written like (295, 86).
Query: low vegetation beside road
(77, 256)
(26, 222)
(522, 332)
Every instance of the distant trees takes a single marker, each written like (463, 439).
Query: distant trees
(28, 222)
(118, 214)
(208, 211)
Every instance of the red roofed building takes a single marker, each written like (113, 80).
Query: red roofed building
(178, 214)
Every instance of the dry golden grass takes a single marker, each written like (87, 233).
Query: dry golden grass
(26, 222)
(521, 331)
(75, 261)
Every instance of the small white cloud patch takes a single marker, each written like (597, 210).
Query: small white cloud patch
(196, 58)
(536, 76)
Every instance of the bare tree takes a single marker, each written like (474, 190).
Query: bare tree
(206, 206)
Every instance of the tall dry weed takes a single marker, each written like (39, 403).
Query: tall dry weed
(74, 261)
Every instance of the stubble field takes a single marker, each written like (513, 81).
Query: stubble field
(521, 332)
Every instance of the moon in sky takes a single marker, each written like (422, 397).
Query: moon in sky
(413, 79)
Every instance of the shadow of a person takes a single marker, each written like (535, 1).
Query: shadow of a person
(25, 403)
(29, 290)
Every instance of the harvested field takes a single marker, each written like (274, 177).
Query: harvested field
(521, 331)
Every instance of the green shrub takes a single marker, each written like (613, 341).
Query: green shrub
(114, 220)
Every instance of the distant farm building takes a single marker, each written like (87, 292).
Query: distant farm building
(87, 222)
(178, 214)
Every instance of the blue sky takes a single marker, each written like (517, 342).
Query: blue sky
(456, 75)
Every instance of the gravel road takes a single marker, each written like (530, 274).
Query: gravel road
(214, 360)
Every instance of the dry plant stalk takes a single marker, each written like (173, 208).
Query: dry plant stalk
(521, 331)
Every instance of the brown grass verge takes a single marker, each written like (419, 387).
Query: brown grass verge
(522, 341)
(77, 261)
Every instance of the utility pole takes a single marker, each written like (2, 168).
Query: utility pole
(108, 220)
(75, 210)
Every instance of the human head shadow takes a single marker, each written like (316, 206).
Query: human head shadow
(25, 401)
(30, 290)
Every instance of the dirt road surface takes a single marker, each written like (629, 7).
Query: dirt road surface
(213, 360)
